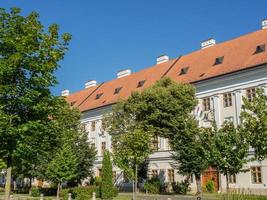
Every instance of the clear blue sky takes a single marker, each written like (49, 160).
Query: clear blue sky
(109, 35)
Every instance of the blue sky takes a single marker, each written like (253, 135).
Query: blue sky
(110, 35)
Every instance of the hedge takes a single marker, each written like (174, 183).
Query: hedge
(80, 193)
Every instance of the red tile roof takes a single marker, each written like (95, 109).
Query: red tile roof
(238, 54)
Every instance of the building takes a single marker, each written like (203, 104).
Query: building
(222, 74)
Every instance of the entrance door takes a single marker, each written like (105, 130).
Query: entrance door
(211, 174)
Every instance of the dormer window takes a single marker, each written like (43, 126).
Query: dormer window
(260, 48)
(98, 96)
(72, 103)
(219, 60)
(141, 83)
(117, 90)
(184, 70)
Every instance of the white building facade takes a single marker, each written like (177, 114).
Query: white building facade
(222, 74)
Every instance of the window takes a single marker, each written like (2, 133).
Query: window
(251, 94)
(260, 48)
(256, 175)
(191, 178)
(141, 83)
(117, 90)
(232, 178)
(219, 60)
(154, 173)
(98, 96)
(227, 99)
(99, 172)
(155, 144)
(167, 144)
(103, 148)
(206, 104)
(170, 175)
(114, 175)
(93, 145)
(184, 70)
(72, 103)
(229, 119)
(93, 125)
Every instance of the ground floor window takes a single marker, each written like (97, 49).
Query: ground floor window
(170, 175)
(232, 178)
(154, 173)
(256, 175)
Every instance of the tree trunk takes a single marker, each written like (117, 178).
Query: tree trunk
(30, 186)
(8, 183)
(133, 191)
(227, 185)
(136, 179)
(198, 180)
(58, 190)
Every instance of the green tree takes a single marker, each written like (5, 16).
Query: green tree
(107, 186)
(254, 123)
(63, 166)
(163, 109)
(131, 145)
(29, 56)
(230, 150)
(191, 151)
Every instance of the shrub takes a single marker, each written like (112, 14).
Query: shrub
(181, 187)
(36, 191)
(153, 185)
(80, 193)
(210, 186)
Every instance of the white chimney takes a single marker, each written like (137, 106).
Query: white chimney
(264, 24)
(208, 43)
(65, 93)
(90, 83)
(162, 59)
(123, 73)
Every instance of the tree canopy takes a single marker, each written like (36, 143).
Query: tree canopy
(254, 123)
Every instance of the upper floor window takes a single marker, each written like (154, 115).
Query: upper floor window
(251, 94)
(256, 175)
(206, 104)
(103, 148)
(93, 125)
(227, 99)
(155, 143)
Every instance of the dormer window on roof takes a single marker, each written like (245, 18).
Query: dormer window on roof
(117, 90)
(98, 96)
(141, 83)
(184, 70)
(219, 60)
(260, 48)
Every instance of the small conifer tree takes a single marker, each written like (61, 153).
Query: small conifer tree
(107, 187)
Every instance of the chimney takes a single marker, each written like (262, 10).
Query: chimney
(123, 73)
(264, 24)
(65, 93)
(90, 83)
(208, 43)
(162, 59)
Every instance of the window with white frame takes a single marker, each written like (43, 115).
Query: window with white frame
(256, 175)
